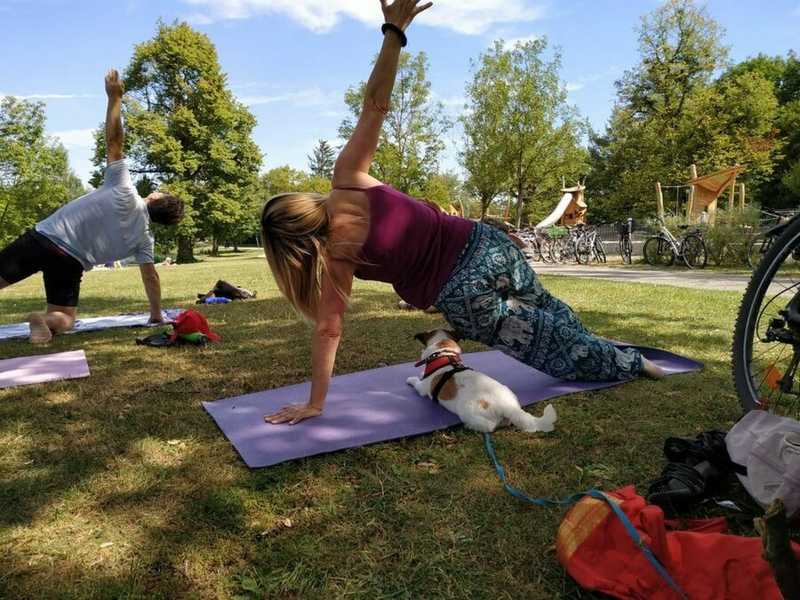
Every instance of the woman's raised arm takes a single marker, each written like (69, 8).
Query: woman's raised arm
(356, 156)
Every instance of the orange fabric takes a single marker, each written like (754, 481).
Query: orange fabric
(706, 562)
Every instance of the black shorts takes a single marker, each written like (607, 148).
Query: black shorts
(32, 252)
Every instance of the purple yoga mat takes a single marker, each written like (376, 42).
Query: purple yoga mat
(377, 405)
(39, 369)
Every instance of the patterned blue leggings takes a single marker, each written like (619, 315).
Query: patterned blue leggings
(494, 297)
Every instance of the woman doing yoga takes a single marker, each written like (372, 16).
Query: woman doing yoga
(472, 272)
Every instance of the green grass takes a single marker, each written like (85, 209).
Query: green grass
(120, 485)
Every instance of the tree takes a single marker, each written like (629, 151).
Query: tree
(782, 190)
(187, 133)
(521, 133)
(670, 113)
(322, 161)
(411, 139)
(446, 191)
(35, 178)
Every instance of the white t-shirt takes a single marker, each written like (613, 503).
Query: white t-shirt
(107, 224)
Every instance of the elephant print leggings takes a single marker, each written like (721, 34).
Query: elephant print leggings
(494, 297)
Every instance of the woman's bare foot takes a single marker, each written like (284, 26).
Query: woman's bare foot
(652, 370)
(40, 332)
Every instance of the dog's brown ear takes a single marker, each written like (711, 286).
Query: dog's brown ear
(453, 334)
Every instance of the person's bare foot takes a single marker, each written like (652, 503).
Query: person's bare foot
(652, 370)
(40, 332)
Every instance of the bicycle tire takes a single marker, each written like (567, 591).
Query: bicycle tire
(694, 252)
(626, 250)
(658, 252)
(749, 314)
(600, 251)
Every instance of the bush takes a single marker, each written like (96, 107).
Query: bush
(728, 240)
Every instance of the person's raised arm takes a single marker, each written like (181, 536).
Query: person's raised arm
(356, 156)
(114, 134)
(324, 344)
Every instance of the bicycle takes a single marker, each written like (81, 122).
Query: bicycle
(762, 243)
(625, 243)
(766, 341)
(664, 248)
(588, 247)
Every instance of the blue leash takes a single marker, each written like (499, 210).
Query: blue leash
(549, 503)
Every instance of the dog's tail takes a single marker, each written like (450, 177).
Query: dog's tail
(526, 422)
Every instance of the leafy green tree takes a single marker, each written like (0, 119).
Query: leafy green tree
(446, 190)
(35, 178)
(411, 139)
(321, 162)
(187, 133)
(783, 188)
(671, 113)
(521, 132)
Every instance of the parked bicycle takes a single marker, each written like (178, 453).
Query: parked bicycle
(766, 340)
(589, 247)
(625, 243)
(761, 244)
(664, 248)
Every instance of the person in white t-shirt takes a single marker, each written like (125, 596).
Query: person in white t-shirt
(103, 226)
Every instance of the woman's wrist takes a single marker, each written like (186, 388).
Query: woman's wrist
(395, 30)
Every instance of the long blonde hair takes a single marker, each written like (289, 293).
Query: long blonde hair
(296, 233)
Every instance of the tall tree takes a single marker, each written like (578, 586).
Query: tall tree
(411, 139)
(185, 131)
(521, 132)
(321, 162)
(35, 178)
(670, 113)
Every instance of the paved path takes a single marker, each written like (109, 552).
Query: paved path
(698, 279)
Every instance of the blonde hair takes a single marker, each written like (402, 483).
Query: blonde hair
(296, 233)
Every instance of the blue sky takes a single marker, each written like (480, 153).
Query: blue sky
(291, 60)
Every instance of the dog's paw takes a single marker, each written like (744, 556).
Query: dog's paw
(413, 381)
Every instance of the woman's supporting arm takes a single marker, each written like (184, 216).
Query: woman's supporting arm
(324, 343)
(356, 156)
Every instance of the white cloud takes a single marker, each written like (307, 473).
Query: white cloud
(76, 138)
(308, 97)
(511, 43)
(468, 17)
(573, 86)
(49, 96)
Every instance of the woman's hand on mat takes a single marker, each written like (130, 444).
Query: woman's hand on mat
(294, 413)
(114, 87)
(402, 12)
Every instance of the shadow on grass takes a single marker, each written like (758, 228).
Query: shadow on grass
(129, 455)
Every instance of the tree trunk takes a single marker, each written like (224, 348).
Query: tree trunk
(519, 206)
(235, 246)
(185, 249)
(214, 246)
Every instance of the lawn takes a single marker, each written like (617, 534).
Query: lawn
(120, 485)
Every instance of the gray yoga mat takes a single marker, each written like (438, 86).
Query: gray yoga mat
(19, 331)
(27, 370)
(377, 405)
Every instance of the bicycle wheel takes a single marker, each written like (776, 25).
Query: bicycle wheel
(694, 252)
(546, 256)
(583, 252)
(626, 250)
(757, 249)
(555, 251)
(536, 250)
(658, 252)
(766, 340)
(599, 251)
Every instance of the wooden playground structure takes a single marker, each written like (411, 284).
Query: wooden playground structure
(704, 194)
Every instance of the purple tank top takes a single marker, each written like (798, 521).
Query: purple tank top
(410, 245)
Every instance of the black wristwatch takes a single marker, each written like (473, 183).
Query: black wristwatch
(400, 33)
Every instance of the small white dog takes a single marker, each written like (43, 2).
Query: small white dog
(482, 403)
